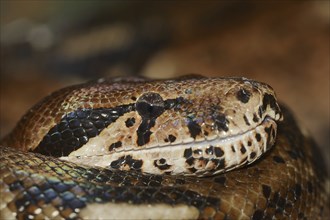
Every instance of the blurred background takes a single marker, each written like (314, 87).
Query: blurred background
(46, 45)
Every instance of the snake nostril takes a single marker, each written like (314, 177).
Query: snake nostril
(243, 95)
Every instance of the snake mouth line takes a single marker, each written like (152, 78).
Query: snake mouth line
(215, 141)
(200, 158)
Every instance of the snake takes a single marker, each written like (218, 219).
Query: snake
(191, 147)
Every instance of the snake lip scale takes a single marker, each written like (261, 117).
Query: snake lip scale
(138, 148)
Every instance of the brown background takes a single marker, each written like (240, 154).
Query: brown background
(51, 44)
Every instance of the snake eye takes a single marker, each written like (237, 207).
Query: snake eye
(150, 105)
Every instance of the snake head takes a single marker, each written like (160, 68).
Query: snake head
(190, 125)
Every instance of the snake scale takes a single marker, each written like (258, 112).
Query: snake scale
(134, 148)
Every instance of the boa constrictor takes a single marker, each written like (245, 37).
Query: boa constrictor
(160, 149)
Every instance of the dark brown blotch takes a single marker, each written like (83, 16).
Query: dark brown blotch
(218, 152)
(221, 122)
(218, 163)
(117, 144)
(187, 153)
(171, 138)
(260, 111)
(130, 122)
(209, 150)
(190, 161)
(270, 100)
(243, 149)
(253, 155)
(243, 95)
(136, 164)
(161, 164)
(246, 120)
(143, 132)
(198, 152)
(222, 163)
(194, 128)
(258, 137)
(127, 160)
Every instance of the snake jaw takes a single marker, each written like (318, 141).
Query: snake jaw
(196, 158)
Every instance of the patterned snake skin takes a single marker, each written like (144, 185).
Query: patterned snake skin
(209, 127)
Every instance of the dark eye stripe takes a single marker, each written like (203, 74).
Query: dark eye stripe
(76, 128)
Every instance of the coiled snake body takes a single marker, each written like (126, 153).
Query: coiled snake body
(147, 149)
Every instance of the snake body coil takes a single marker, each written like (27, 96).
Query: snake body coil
(147, 149)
